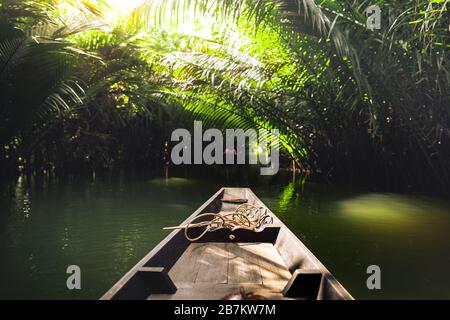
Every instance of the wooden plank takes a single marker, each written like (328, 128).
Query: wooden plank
(243, 266)
(268, 235)
(230, 262)
(185, 271)
(274, 272)
(213, 264)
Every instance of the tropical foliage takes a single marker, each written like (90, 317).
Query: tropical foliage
(102, 83)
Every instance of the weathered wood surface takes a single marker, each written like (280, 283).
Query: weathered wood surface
(215, 266)
(214, 270)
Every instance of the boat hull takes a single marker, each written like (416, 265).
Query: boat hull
(272, 263)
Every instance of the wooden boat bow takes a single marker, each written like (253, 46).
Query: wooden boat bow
(269, 261)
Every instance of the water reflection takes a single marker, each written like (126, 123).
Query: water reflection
(22, 199)
(390, 211)
(175, 182)
(388, 208)
(287, 198)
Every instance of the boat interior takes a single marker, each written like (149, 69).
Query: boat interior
(273, 263)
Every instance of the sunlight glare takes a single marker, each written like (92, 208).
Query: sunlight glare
(123, 6)
(120, 8)
(111, 10)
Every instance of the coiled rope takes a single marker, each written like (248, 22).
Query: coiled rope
(246, 216)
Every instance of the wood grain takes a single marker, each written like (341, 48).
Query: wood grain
(214, 270)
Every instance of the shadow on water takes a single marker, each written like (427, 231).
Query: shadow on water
(106, 225)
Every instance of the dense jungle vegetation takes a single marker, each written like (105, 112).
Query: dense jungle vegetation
(97, 84)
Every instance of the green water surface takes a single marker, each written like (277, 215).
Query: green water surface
(106, 225)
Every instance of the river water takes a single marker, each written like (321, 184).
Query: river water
(106, 225)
